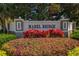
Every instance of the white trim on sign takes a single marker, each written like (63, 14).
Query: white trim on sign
(64, 25)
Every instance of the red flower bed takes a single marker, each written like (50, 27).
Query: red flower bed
(40, 46)
(58, 32)
(43, 33)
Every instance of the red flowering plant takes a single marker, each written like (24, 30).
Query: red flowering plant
(32, 33)
(51, 32)
(58, 33)
(29, 33)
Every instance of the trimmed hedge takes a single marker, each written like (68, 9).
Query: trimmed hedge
(5, 38)
(75, 35)
(40, 46)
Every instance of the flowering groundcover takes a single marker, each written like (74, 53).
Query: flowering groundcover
(40, 46)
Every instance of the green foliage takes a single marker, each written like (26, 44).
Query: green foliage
(77, 28)
(75, 34)
(54, 8)
(3, 53)
(5, 38)
(1, 31)
(74, 52)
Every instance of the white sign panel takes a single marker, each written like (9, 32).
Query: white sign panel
(44, 25)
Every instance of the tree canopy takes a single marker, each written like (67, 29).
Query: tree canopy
(37, 11)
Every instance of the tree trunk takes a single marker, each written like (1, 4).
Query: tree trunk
(7, 27)
(3, 26)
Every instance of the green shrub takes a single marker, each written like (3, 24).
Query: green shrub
(75, 34)
(77, 28)
(5, 38)
(1, 31)
(74, 52)
(3, 53)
